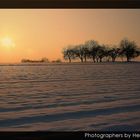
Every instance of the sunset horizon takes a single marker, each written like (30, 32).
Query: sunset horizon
(35, 34)
(69, 70)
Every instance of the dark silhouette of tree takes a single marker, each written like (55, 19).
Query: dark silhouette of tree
(137, 53)
(56, 61)
(44, 59)
(101, 53)
(121, 54)
(113, 53)
(79, 52)
(129, 49)
(86, 51)
(68, 53)
(92, 49)
(25, 60)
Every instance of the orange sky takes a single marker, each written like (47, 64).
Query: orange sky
(43, 33)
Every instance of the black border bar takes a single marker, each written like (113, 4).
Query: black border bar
(33, 4)
(69, 135)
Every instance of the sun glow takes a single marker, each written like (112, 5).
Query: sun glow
(7, 42)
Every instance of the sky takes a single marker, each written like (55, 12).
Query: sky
(38, 33)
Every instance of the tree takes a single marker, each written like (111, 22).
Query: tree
(101, 53)
(79, 52)
(25, 60)
(44, 59)
(68, 53)
(129, 49)
(113, 53)
(56, 61)
(137, 52)
(86, 51)
(92, 49)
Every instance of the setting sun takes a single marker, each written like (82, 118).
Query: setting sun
(69, 70)
(35, 34)
(7, 42)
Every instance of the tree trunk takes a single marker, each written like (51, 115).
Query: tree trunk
(85, 59)
(81, 59)
(128, 59)
(93, 59)
(69, 60)
(113, 59)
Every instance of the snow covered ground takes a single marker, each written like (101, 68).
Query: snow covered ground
(70, 97)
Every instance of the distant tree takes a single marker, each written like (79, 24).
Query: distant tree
(58, 60)
(129, 49)
(121, 54)
(34, 61)
(79, 52)
(86, 51)
(106, 53)
(25, 60)
(101, 53)
(137, 52)
(44, 59)
(92, 49)
(68, 53)
(113, 53)
(98, 53)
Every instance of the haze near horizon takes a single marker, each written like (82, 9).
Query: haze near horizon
(41, 33)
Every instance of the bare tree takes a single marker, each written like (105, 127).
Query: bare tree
(92, 47)
(86, 52)
(79, 52)
(129, 49)
(101, 53)
(113, 53)
(68, 53)
(44, 59)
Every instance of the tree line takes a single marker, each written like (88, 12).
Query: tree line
(34, 61)
(43, 60)
(92, 50)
